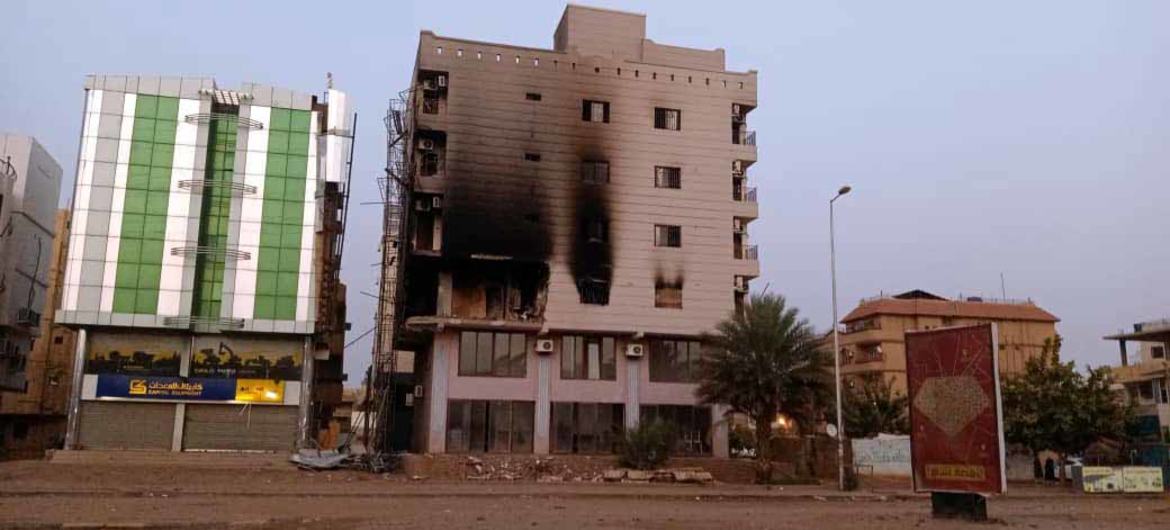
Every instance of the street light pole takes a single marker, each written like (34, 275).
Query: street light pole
(837, 344)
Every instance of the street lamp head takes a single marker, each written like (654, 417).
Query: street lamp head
(844, 189)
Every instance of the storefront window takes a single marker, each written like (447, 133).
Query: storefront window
(477, 426)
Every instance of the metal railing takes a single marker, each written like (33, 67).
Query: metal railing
(744, 137)
(748, 252)
(745, 194)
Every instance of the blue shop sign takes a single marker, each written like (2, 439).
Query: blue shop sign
(164, 387)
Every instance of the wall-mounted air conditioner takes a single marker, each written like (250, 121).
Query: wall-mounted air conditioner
(422, 205)
(740, 283)
(737, 167)
(635, 349)
(426, 144)
(441, 81)
(544, 345)
(735, 109)
(436, 202)
(737, 225)
(428, 84)
(418, 391)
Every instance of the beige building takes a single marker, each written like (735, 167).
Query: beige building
(1145, 378)
(873, 336)
(577, 217)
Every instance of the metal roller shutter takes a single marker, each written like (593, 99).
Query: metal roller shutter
(239, 427)
(111, 425)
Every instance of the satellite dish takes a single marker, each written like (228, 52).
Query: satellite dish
(831, 430)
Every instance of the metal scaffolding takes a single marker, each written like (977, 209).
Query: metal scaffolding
(395, 188)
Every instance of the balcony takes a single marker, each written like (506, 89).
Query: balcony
(747, 252)
(744, 194)
(745, 143)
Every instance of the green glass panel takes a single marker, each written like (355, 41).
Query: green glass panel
(146, 106)
(279, 120)
(299, 121)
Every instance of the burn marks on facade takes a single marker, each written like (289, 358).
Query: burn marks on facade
(591, 255)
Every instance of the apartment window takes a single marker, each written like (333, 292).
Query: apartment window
(484, 353)
(596, 230)
(595, 111)
(668, 295)
(667, 177)
(429, 165)
(532, 157)
(692, 426)
(532, 96)
(595, 172)
(587, 427)
(667, 236)
(675, 361)
(588, 358)
(669, 119)
(1158, 352)
(476, 426)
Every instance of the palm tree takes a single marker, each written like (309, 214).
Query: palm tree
(766, 361)
(873, 407)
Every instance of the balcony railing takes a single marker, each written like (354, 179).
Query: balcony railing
(744, 137)
(748, 252)
(745, 194)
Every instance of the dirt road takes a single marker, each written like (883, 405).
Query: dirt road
(42, 495)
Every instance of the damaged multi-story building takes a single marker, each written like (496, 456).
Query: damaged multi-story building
(573, 219)
(202, 267)
(30, 184)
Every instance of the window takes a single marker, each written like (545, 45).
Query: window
(595, 172)
(19, 430)
(667, 236)
(587, 427)
(532, 157)
(483, 353)
(668, 295)
(429, 165)
(532, 96)
(489, 426)
(596, 230)
(588, 358)
(669, 119)
(595, 111)
(1158, 352)
(692, 426)
(674, 361)
(58, 339)
(667, 177)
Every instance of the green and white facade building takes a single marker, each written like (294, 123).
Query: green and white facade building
(202, 262)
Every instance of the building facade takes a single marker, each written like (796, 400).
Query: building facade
(202, 269)
(1145, 378)
(872, 341)
(30, 186)
(575, 218)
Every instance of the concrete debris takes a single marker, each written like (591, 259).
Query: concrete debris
(550, 470)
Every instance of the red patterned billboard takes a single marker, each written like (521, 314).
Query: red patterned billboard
(956, 427)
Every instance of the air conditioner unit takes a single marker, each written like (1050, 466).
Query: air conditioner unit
(436, 202)
(737, 167)
(544, 345)
(635, 349)
(422, 205)
(737, 225)
(428, 84)
(441, 81)
(735, 110)
(740, 283)
(426, 144)
(418, 391)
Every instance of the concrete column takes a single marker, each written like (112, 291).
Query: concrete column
(437, 430)
(443, 302)
(181, 408)
(306, 403)
(71, 428)
(633, 401)
(543, 416)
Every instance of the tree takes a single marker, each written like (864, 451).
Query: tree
(766, 361)
(873, 406)
(1051, 406)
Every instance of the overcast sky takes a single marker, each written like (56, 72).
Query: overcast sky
(1030, 139)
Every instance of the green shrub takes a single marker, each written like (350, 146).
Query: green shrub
(647, 446)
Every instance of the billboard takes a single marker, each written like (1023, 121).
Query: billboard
(956, 427)
(217, 356)
(139, 354)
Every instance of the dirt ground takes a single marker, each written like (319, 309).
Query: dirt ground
(37, 494)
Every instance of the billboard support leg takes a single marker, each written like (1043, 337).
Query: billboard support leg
(968, 506)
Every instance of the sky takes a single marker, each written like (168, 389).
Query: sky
(1024, 139)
